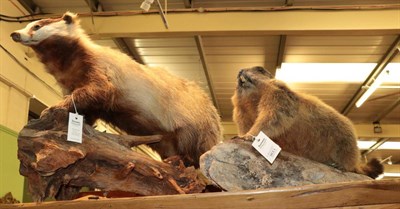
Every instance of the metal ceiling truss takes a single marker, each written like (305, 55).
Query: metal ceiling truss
(200, 48)
(187, 3)
(248, 23)
(384, 61)
(121, 43)
(386, 111)
(375, 146)
(95, 6)
(281, 53)
(289, 3)
(30, 6)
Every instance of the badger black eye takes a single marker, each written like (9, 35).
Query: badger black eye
(36, 27)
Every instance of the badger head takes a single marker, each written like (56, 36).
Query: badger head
(252, 77)
(37, 31)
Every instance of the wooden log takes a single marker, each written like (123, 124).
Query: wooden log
(56, 167)
(364, 194)
(235, 165)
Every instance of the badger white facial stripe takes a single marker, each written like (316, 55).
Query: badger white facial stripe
(40, 30)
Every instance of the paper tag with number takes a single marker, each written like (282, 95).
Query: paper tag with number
(75, 127)
(266, 147)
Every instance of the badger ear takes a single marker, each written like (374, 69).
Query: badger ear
(69, 17)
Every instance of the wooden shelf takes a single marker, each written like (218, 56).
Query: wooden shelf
(368, 194)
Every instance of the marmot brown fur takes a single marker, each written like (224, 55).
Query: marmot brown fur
(299, 123)
(109, 85)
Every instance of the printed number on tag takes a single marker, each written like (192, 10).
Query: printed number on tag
(268, 148)
(75, 127)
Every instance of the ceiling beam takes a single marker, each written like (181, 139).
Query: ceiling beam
(30, 6)
(123, 46)
(386, 59)
(249, 23)
(200, 48)
(367, 131)
(374, 146)
(187, 3)
(392, 168)
(281, 53)
(386, 111)
(289, 3)
(95, 6)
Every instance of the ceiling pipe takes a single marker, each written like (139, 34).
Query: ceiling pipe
(386, 111)
(374, 146)
(234, 9)
(379, 68)
(281, 53)
(200, 48)
(187, 3)
(95, 6)
(160, 10)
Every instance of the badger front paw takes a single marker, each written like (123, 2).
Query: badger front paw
(50, 110)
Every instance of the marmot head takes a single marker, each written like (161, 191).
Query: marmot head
(249, 78)
(37, 31)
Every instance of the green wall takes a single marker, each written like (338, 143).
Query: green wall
(10, 179)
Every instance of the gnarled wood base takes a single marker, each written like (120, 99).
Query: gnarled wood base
(56, 167)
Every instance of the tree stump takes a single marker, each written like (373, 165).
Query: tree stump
(235, 165)
(58, 168)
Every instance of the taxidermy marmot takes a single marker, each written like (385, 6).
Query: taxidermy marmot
(299, 123)
(107, 84)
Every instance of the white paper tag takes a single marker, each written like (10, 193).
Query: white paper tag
(75, 127)
(268, 148)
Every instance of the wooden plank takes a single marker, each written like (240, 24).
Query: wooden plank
(380, 206)
(350, 194)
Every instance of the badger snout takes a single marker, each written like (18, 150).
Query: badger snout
(16, 36)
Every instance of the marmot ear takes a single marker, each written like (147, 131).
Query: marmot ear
(269, 74)
(263, 71)
(69, 17)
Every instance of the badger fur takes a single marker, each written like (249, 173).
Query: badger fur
(107, 84)
(299, 123)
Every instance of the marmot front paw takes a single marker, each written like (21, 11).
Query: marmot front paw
(246, 137)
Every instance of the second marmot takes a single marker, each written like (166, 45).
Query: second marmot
(299, 123)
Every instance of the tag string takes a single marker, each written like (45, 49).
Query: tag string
(73, 102)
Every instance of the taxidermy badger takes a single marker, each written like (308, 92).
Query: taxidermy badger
(109, 85)
(299, 123)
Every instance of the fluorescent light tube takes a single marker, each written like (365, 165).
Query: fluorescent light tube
(324, 72)
(378, 81)
(365, 144)
(391, 174)
(388, 175)
(389, 145)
